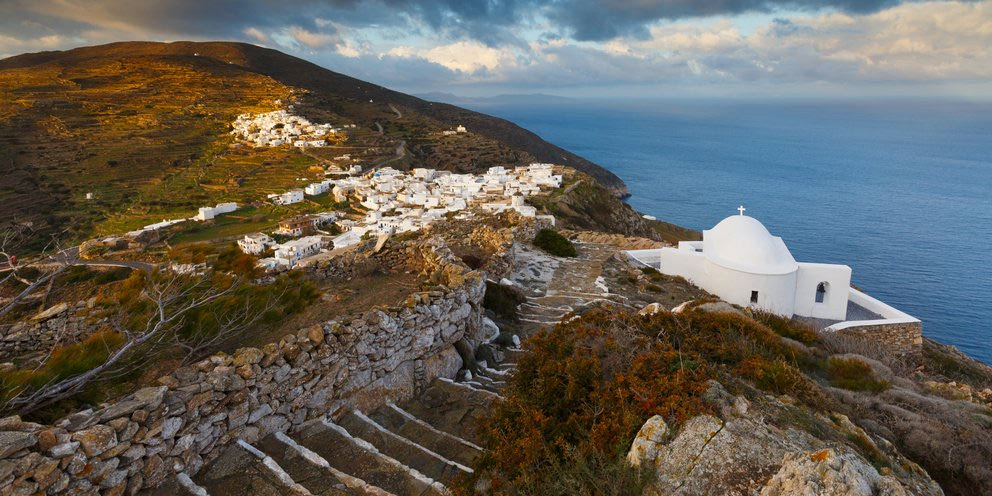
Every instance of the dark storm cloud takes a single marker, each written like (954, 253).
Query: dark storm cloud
(489, 21)
(591, 20)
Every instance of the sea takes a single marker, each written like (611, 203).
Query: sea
(900, 190)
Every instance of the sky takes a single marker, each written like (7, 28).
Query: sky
(621, 48)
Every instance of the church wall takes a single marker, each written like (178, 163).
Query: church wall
(837, 279)
(775, 292)
(685, 263)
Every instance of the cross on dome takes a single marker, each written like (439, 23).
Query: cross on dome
(741, 209)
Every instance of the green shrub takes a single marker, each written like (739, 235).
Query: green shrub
(554, 243)
(854, 375)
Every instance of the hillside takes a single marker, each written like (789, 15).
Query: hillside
(143, 127)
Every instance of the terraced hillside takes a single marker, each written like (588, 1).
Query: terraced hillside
(143, 127)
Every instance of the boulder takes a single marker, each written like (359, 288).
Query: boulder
(651, 309)
(710, 456)
(719, 307)
(648, 442)
(829, 472)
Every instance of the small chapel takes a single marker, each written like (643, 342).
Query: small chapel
(742, 263)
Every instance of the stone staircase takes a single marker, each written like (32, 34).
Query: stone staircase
(417, 447)
(574, 282)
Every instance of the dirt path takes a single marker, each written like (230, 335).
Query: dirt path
(399, 115)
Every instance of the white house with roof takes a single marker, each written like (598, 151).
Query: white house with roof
(742, 263)
(314, 189)
(256, 243)
(293, 251)
(287, 198)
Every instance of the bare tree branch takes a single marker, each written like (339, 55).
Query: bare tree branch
(53, 257)
(172, 300)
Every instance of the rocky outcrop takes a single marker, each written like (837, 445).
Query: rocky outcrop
(741, 451)
(828, 472)
(364, 361)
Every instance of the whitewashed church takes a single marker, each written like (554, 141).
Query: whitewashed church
(742, 263)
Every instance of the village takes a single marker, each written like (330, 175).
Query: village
(396, 202)
(380, 202)
(281, 127)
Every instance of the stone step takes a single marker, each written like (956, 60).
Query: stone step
(360, 459)
(496, 375)
(305, 470)
(451, 407)
(180, 485)
(241, 469)
(402, 449)
(471, 387)
(544, 312)
(513, 354)
(475, 383)
(445, 444)
(357, 485)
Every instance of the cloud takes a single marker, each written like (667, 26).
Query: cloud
(592, 20)
(312, 39)
(546, 44)
(491, 22)
(462, 56)
(256, 35)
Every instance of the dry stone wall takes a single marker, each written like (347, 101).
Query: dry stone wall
(903, 340)
(59, 325)
(138, 441)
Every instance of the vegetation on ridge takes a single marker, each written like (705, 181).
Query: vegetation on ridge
(550, 241)
(586, 387)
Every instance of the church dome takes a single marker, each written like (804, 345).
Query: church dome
(742, 243)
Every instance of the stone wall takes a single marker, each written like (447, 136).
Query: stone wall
(138, 441)
(59, 325)
(902, 340)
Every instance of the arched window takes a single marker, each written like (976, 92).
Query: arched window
(821, 292)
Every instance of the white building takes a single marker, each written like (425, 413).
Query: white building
(256, 243)
(207, 213)
(314, 189)
(297, 249)
(349, 238)
(742, 263)
(287, 198)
